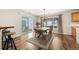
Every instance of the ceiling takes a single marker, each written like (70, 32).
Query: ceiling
(40, 12)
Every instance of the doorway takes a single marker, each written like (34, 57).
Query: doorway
(27, 23)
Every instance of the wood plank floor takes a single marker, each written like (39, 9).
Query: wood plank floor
(60, 42)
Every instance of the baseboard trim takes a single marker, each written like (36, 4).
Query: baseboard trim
(19, 35)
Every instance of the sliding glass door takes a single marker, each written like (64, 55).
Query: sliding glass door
(27, 23)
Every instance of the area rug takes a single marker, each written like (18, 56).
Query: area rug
(40, 42)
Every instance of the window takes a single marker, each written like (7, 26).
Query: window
(27, 23)
(53, 21)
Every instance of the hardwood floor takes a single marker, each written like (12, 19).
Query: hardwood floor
(21, 44)
(60, 42)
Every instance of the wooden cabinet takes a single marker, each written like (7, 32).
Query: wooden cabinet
(74, 43)
(75, 16)
(73, 29)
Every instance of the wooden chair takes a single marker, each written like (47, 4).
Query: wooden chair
(49, 33)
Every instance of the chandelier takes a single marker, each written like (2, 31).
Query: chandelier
(44, 13)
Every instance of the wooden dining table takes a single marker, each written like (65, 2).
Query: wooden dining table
(41, 31)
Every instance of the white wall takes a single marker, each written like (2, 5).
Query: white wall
(66, 22)
(77, 33)
(38, 19)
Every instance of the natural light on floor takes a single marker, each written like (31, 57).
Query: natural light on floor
(30, 35)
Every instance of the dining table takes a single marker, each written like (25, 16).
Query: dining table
(41, 31)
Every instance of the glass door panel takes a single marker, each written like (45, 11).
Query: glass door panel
(27, 24)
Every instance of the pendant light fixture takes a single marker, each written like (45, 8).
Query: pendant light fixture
(44, 14)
